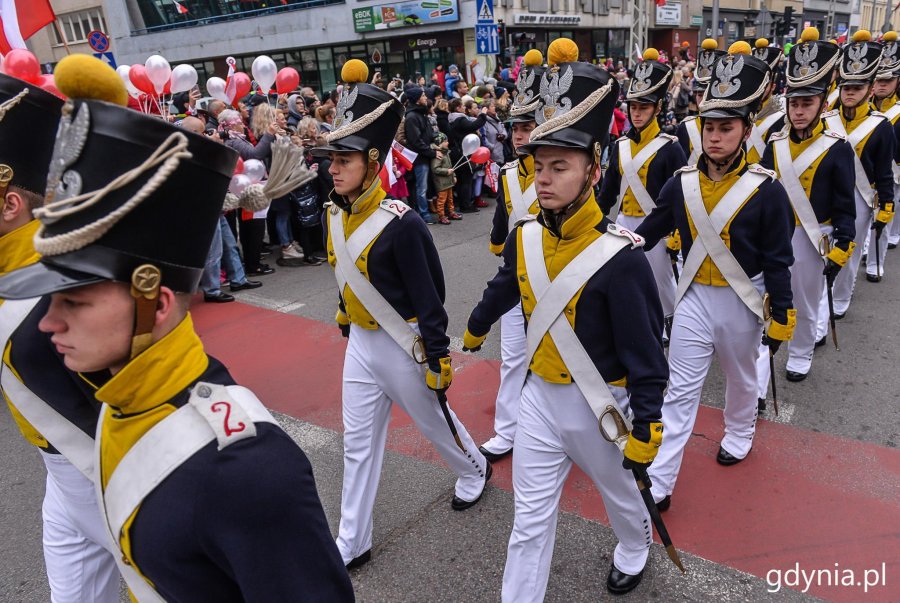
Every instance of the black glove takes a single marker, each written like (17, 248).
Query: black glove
(345, 330)
(773, 344)
(879, 228)
(673, 254)
(831, 271)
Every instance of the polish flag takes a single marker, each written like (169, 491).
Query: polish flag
(402, 155)
(388, 179)
(182, 10)
(21, 19)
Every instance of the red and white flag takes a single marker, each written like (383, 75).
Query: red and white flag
(21, 19)
(182, 10)
(403, 156)
(388, 179)
(492, 176)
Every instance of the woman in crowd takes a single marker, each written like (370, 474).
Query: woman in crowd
(460, 126)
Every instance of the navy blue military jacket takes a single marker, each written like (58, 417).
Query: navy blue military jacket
(759, 234)
(831, 194)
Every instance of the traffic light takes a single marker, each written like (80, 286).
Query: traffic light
(788, 21)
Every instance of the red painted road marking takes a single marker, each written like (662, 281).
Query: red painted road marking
(800, 497)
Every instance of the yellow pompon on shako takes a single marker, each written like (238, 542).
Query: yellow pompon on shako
(862, 35)
(709, 44)
(889, 36)
(762, 43)
(562, 50)
(533, 58)
(84, 77)
(810, 34)
(354, 71)
(651, 54)
(739, 47)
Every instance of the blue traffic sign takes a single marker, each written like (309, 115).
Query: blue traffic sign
(485, 12)
(98, 41)
(487, 40)
(106, 57)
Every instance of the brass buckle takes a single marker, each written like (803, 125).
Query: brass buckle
(824, 245)
(419, 345)
(767, 308)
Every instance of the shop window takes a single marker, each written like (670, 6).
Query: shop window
(328, 70)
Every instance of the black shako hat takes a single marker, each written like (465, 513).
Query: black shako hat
(651, 79)
(769, 53)
(810, 64)
(860, 59)
(707, 56)
(124, 190)
(737, 86)
(890, 57)
(28, 120)
(366, 118)
(527, 97)
(577, 103)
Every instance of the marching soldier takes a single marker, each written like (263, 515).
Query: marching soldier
(641, 163)
(736, 225)
(885, 101)
(688, 130)
(834, 92)
(770, 118)
(53, 407)
(815, 166)
(871, 136)
(516, 199)
(391, 296)
(187, 464)
(594, 336)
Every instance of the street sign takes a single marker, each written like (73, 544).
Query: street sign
(487, 41)
(107, 57)
(485, 11)
(98, 41)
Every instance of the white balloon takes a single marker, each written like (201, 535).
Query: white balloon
(264, 72)
(124, 71)
(184, 77)
(158, 71)
(238, 183)
(216, 88)
(470, 144)
(255, 170)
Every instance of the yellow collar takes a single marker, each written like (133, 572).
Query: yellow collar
(862, 112)
(735, 170)
(647, 134)
(820, 127)
(369, 199)
(526, 171)
(17, 248)
(156, 376)
(583, 220)
(887, 103)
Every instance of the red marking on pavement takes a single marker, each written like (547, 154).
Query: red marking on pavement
(799, 498)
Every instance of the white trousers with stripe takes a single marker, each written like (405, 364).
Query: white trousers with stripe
(377, 374)
(709, 320)
(513, 348)
(557, 428)
(80, 566)
(659, 263)
(845, 281)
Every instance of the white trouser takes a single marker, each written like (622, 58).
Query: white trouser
(377, 373)
(893, 228)
(659, 263)
(557, 427)
(709, 320)
(77, 551)
(846, 278)
(808, 286)
(875, 265)
(512, 378)
(823, 323)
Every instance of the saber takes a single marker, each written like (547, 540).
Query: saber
(831, 321)
(877, 250)
(442, 400)
(642, 479)
(772, 379)
(675, 267)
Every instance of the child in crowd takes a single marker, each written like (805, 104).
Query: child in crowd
(444, 180)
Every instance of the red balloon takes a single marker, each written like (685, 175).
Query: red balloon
(239, 167)
(22, 64)
(48, 83)
(481, 155)
(287, 80)
(138, 77)
(241, 83)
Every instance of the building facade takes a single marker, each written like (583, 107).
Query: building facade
(749, 19)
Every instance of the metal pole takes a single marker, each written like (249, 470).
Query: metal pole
(888, 13)
(715, 20)
(872, 16)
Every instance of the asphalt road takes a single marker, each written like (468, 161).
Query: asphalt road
(424, 551)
